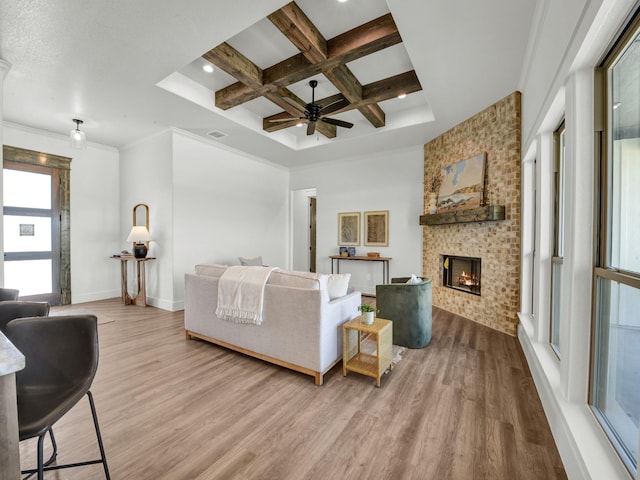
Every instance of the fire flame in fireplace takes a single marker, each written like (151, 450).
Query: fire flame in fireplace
(468, 280)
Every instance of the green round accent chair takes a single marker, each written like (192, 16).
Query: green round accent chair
(408, 306)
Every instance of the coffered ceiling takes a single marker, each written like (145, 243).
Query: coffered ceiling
(317, 55)
(355, 55)
(132, 69)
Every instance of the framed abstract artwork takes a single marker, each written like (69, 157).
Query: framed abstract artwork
(462, 185)
(376, 228)
(349, 228)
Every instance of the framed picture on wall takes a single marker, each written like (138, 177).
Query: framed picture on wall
(376, 228)
(349, 228)
(462, 184)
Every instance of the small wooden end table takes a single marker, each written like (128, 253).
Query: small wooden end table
(355, 360)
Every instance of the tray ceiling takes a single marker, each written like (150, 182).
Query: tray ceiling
(261, 75)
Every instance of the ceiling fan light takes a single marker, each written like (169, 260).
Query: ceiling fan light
(299, 124)
(77, 138)
(402, 95)
(207, 68)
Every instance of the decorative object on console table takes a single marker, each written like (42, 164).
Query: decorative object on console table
(139, 235)
(376, 228)
(351, 251)
(373, 254)
(349, 228)
(343, 252)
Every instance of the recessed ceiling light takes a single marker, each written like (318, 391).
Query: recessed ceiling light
(342, 1)
(616, 105)
(402, 95)
(207, 68)
(299, 124)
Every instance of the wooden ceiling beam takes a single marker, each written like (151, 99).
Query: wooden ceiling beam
(296, 26)
(345, 81)
(388, 88)
(299, 30)
(375, 92)
(366, 39)
(227, 58)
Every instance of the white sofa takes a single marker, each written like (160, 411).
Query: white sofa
(301, 327)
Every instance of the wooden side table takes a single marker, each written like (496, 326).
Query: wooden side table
(140, 297)
(355, 360)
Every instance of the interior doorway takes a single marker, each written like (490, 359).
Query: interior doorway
(312, 234)
(304, 207)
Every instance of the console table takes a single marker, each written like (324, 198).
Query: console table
(384, 260)
(140, 297)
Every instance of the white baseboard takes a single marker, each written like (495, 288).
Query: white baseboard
(160, 303)
(94, 296)
(165, 304)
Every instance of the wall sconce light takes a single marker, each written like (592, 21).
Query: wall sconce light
(139, 235)
(78, 138)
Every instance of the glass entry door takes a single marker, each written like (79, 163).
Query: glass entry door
(32, 231)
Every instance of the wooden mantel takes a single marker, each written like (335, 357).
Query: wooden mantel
(490, 213)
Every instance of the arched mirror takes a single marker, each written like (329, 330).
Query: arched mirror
(141, 215)
(140, 230)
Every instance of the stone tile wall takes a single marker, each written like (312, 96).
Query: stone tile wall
(496, 131)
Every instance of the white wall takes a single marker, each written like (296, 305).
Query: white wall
(146, 173)
(226, 204)
(94, 209)
(391, 181)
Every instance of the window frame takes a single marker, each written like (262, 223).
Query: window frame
(557, 256)
(603, 249)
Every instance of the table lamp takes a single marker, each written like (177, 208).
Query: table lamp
(139, 235)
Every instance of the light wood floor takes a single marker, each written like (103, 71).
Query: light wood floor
(463, 408)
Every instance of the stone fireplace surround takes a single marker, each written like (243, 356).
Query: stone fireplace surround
(496, 131)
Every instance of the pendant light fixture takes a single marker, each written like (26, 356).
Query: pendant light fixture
(78, 138)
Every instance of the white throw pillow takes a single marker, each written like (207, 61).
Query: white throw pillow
(251, 262)
(414, 280)
(337, 285)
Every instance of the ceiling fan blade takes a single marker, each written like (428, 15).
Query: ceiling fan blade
(332, 107)
(278, 120)
(335, 121)
(311, 128)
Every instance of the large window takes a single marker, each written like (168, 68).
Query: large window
(558, 236)
(615, 392)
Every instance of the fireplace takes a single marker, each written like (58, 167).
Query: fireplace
(461, 273)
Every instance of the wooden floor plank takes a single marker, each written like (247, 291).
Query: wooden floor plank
(463, 408)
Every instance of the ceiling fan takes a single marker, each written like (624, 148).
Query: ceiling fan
(314, 112)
